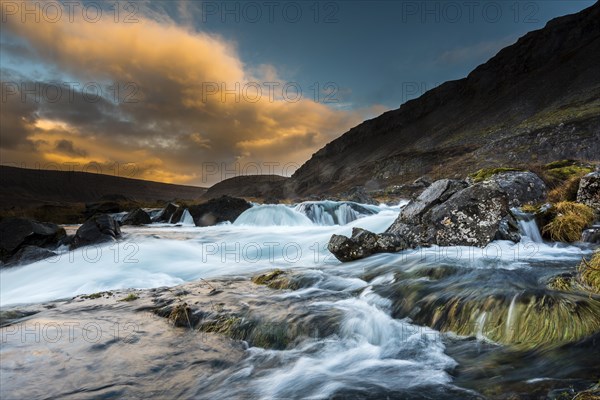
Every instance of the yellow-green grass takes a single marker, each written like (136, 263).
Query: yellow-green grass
(570, 220)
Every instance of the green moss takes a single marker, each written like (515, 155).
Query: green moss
(554, 117)
(96, 295)
(276, 279)
(223, 324)
(566, 172)
(486, 173)
(560, 164)
(130, 297)
(530, 208)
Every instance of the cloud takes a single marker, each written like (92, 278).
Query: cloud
(67, 147)
(169, 103)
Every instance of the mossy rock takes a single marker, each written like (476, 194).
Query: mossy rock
(526, 321)
(486, 173)
(586, 279)
(278, 279)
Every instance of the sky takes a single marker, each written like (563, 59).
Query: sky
(193, 92)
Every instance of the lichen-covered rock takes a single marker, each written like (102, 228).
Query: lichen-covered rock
(448, 213)
(435, 194)
(363, 243)
(471, 217)
(589, 190)
(521, 187)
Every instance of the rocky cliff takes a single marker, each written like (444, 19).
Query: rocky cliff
(536, 101)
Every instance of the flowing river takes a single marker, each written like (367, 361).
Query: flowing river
(433, 323)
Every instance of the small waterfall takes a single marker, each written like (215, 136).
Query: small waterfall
(335, 212)
(527, 226)
(509, 318)
(153, 212)
(479, 325)
(120, 216)
(272, 215)
(186, 218)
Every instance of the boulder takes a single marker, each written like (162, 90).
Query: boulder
(422, 181)
(137, 217)
(29, 254)
(591, 235)
(471, 217)
(589, 190)
(435, 194)
(363, 243)
(98, 229)
(447, 213)
(105, 207)
(214, 211)
(176, 217)
(358, 195)
(166, 214)
(521, 187)
(16, 233)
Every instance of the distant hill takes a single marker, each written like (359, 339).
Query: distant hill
(31, 187)
(534, 102)
(258, 186)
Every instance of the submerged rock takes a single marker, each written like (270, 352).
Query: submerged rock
(589, 190)
(500, 306)
(214, 211)
(30, 254)
(137, 217)
(364, 243)
(98, 229)
(18, 233)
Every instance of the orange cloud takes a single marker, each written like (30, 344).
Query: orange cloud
(182, 117)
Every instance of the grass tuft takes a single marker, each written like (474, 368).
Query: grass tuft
(589, 273)
(130, 297)
(570, 220)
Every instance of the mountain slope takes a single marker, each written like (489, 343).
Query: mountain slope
(28, 187)
(535, 101)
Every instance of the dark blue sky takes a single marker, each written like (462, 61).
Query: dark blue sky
(376, 52)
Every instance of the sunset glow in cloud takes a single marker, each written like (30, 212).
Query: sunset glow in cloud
(151, 93)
